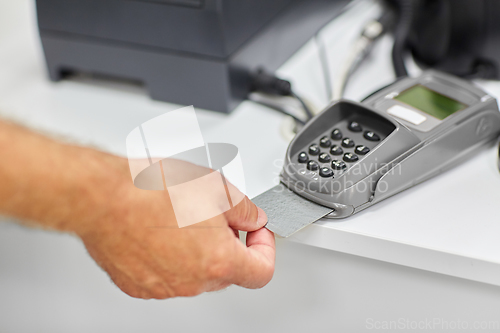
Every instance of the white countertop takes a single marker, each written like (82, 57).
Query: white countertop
(447, 225)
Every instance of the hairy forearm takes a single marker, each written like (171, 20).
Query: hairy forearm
(131, 233)
(55, 185)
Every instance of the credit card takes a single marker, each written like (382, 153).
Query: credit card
(287, 212)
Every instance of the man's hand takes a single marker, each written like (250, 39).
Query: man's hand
(148, 256)
(131, 233)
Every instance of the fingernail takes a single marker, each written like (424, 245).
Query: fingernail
(262, 217)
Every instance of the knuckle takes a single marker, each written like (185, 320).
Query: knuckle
(243, 210)
(248, 211)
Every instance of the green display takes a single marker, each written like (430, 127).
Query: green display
(430, 102)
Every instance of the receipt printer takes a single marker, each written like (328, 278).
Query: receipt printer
(192, 52)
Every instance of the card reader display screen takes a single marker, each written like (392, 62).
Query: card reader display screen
(430, 102)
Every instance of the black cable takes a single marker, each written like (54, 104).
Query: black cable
(266, 83)
(304, 105)
(406, 13)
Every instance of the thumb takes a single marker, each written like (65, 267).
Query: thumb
(255, 262)
(246, 216)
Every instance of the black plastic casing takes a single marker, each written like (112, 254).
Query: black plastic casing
(190, 52)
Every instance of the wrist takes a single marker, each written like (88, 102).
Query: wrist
(55, 185)
(101, 190)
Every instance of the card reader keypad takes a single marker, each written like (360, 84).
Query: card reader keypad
(314, 150)
(326, 172)
(347, 143)
(361, 150)
(372, 136)
(336, 134)
(336, 150)
(325, 142)
(338, 165)
(350, 157)
(354, 127)
(303, 158)
(324, 158)
(331, 154)
(312, 165)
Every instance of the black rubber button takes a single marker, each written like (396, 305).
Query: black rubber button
(303, 158)
(347, 143)
(312, 165)
(350, 157)
(326, 172)
(324, 158)
(338, 165)
(336, 134)
(336, 150)
(355, 127)
(362, 150)
(371, 136)
(325, 142)
(314, 150)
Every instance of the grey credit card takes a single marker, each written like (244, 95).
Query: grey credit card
(288, 212)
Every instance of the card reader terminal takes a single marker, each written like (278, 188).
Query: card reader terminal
(353, 155)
